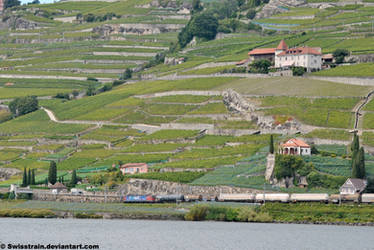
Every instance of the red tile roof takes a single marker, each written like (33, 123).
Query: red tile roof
(242, 62)
(264, 51)
(295, 143)
(300, 51)
(282, 45)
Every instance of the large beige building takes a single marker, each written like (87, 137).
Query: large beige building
(284, 57)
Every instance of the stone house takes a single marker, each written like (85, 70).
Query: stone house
(353, 186)
(295, 147)
(134, 168)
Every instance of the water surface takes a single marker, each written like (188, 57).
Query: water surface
(162, 235)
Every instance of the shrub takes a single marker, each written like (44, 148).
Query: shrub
(251, 14)
(23, 105)
(197, 213)
(298, 71)
(88, 216)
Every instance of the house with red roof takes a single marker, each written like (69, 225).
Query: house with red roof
(295, 147)
(285, 58)
(134, 168)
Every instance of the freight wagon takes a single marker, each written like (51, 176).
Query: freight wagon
(191, 197)
(237, 197)
(169, 198)
(367, 198)
(309, 197)
(272, 197)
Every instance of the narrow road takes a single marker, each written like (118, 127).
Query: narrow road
(358, 108)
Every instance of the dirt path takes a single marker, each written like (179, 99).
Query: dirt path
(358, 114)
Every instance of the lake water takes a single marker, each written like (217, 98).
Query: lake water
(162, 235)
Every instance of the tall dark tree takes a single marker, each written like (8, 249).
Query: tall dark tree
(46, 181)
(361, 163)
(24, 178)
(29, 179)
(33, 177)
(271, 146)
(73, 180)
(355, 165)
(355, 146)
(52, 173)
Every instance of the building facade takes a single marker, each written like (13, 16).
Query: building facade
(285, 58)
(134, 168)
(295, 147)
(353, 186)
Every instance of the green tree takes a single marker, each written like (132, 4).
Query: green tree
(361, 163)
(260, 66)
(298, 71)
(11, 3)
(339, 55)
(29, 177)
(52, 173)
(46, 181)
(204, 26)
(23, 105)
(126, 75)
(251, 14)
(33, 177)
(24, 178)
(73, 180)
(355, 145)
(271, 146)
(90, 91)
(196, 6)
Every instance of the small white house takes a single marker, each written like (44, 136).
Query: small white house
(295, 147)
(309, 58)
(353, 186)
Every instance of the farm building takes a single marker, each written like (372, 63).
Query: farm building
(295, 147)
(58, 187)
(134, 168)
(353, 186)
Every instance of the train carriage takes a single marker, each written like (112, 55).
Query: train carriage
(309, 197)
(237, 197)
(273, 197)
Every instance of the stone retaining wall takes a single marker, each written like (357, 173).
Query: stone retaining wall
(155, 187)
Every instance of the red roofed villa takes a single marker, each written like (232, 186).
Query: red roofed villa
(283, 57)
(295, 147)
(134, 168)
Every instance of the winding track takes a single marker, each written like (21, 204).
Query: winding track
(359, 108)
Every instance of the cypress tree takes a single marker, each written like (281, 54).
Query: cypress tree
(46, 181)
(24, 178)
(29, 177)
(52, 173)
(355, 146)
(73, 180)
(33, 177)
(355, 165)
(271, 146)
(361, 163)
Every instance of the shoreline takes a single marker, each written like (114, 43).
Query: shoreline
(169, 217)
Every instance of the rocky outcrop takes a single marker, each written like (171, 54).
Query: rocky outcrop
(19, 23)
(237, 104)
(6, 173)
(278, 6)
(270, 164)
(156, 187)
(136, 29)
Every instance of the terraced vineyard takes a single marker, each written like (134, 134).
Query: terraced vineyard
(177, 117)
